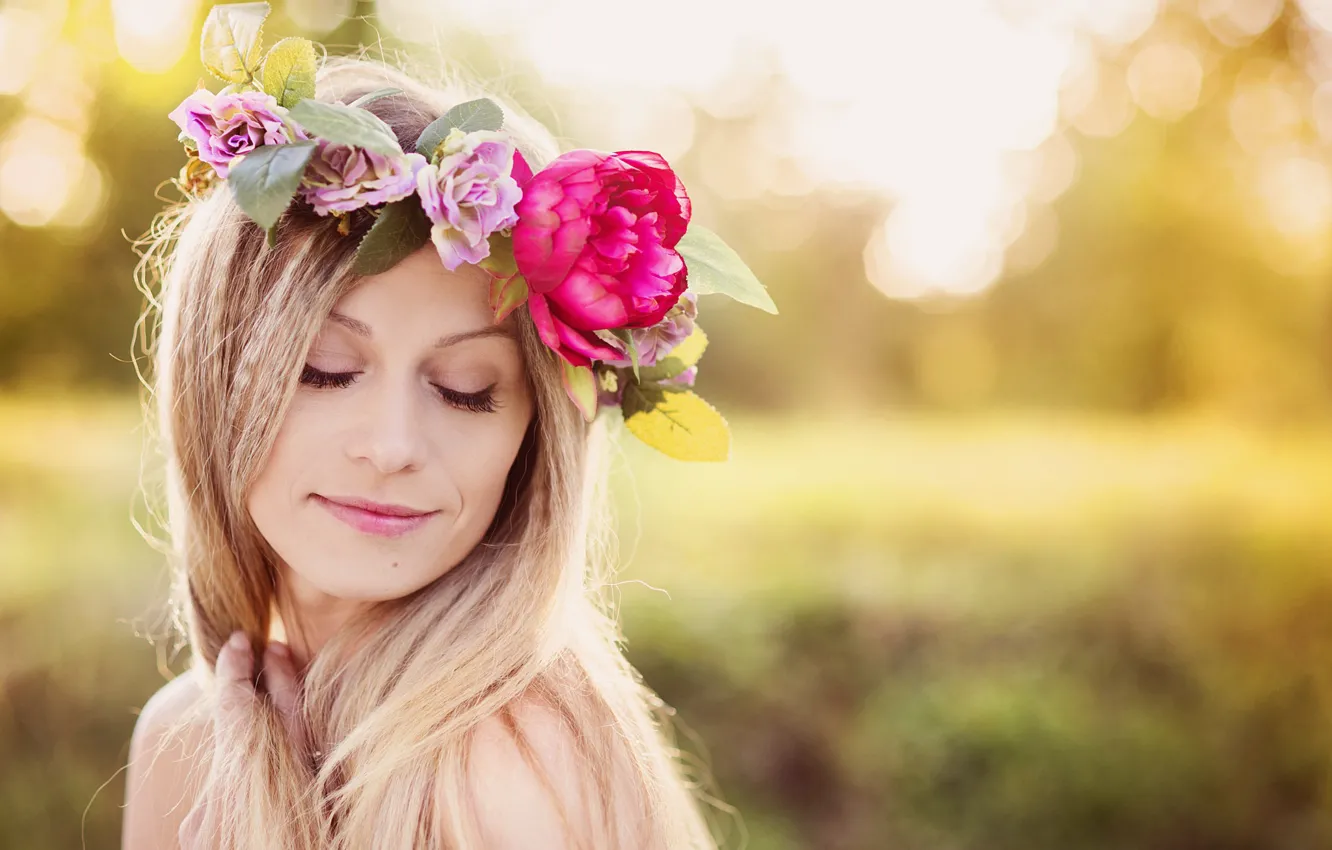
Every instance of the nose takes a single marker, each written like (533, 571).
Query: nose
(392, 432)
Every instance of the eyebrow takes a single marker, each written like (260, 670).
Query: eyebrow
(362, 329)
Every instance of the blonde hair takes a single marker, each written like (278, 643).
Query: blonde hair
(391, 701)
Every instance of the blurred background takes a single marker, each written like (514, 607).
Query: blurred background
(1024, 541)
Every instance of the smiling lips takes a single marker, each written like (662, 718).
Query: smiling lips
(373, 517)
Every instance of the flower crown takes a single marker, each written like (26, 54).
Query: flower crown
(599, 246)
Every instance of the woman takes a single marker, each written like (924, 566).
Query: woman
(383, 505)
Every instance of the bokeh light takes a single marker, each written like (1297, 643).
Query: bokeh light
(43, 171)
(1264, 112)
(152, 35)
(318, 17)
(1235, 22)
(21, 39)
(1165, 80)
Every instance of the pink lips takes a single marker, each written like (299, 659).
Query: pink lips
(373, 517)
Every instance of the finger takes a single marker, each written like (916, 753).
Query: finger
(235, 660)
(283, 684)
(235, 680)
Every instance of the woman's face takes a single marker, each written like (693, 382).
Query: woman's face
(411, 401)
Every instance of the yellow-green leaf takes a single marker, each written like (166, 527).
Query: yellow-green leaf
(289, 71)
(507, 294)
(581, 386)
(231, 46)
(499, 261)
(680, 358)
(679, 424)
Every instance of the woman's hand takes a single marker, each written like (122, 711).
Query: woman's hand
(239, 706)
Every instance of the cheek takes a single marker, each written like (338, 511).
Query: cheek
(278, 500)
(480, 460)
(295, 451)
(269, 500)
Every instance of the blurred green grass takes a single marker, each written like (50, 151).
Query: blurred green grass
(901, 508)
(1007, 631)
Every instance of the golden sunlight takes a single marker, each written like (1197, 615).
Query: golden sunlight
(153, 35)
(41, 165)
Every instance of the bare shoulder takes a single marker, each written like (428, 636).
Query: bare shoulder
(165, 761)
(534, 785)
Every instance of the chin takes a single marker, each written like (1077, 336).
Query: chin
(367, 580)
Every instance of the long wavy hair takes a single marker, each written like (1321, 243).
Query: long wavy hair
(391, 703)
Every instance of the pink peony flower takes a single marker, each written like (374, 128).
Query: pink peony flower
(342, 178)
(469, 195)
(227, 126)
(595, 240)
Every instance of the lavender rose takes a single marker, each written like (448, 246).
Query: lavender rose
(655, 342)
(469, 194)
(342, 178)
(227, 126)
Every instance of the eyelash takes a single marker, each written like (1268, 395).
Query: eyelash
(478, 402)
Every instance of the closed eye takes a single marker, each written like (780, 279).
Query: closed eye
(482, 401)
(317, 378)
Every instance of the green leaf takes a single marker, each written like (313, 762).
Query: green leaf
(480, 114)
(346, 125)
(232, 40)
(400, 229)
(369, 97)
(289, 71)
(633, 352)
(680, 358)
(581, 386)
(714, 267)
(264, 180)
(676, 423)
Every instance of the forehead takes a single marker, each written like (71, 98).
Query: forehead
(417, 296)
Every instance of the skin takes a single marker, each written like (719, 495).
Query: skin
(520, 806)
(391, 437)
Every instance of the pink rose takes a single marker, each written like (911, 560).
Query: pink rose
(595, 240)
(226, 126)
(341, 178)
(469, 195)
